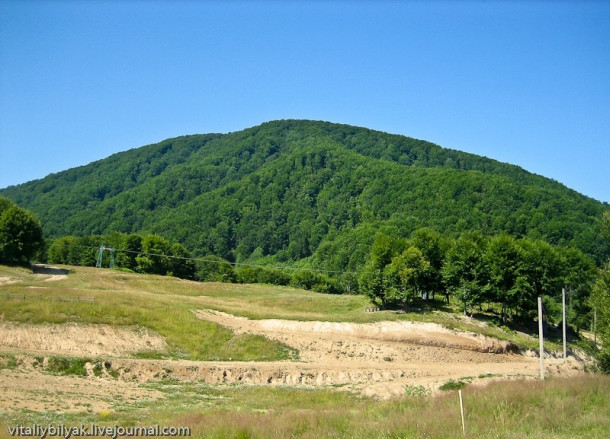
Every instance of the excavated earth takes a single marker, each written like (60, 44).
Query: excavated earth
(379, 359)
(382, 360)
(79, 339)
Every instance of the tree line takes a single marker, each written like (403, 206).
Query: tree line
(498, 272)
(154, 254)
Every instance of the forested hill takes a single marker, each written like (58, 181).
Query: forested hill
(291, 190)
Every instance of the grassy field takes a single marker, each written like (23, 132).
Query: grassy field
(163, 304)
(557, 408)
(561, 408)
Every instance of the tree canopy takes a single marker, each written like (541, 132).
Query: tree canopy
(21, 236)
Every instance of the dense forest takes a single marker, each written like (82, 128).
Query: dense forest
(307, 194)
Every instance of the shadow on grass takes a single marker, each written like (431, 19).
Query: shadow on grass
(419, 305)
(48, 269)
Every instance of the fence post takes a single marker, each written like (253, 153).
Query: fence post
(541, 337)
(462, 412)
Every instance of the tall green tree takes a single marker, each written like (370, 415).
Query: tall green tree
(540, 274)
(59, 250)
(373, 281)
(180, 263)
(579, 275)
(465, 273)
(154, 258)
(131, 246)
(21, 236)
(407, 276)
(433, 247)
(600, 301)
(503, 257)
(211, 268)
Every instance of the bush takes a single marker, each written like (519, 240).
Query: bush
(453, 385)
(67, 366)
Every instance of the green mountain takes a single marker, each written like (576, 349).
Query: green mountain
(307, 191)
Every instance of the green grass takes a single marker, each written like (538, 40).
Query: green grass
(453, 385)
(509, 409)
(8, 361)
(558, 408)
(161, 304)
(67, 365)
(164, 304)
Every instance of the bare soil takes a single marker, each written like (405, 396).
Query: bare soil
(79, 339)
(38, 391)
(381, 360)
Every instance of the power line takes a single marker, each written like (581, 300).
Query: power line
(203, 259)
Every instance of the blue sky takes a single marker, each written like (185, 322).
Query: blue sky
(526, 83)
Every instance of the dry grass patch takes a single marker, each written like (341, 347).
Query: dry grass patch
(559, 408)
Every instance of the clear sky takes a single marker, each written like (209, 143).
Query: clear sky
(526, 83)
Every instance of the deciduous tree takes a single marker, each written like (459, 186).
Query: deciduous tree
(21, 236)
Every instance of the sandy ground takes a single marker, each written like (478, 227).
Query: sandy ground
(37, 391)
(53, 277)
(381, 360)
(79, 339)
(7, 280)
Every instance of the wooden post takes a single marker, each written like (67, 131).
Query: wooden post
(540, 335)
(565, 350)
(595, 326)
(462, 412)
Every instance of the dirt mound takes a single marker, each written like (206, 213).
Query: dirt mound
(370, 341)
(79, 339)
(376, 359)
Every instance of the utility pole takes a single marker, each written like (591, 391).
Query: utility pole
(540, 336)
(563, 299)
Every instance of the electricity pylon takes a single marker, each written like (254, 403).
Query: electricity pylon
(100, 253)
